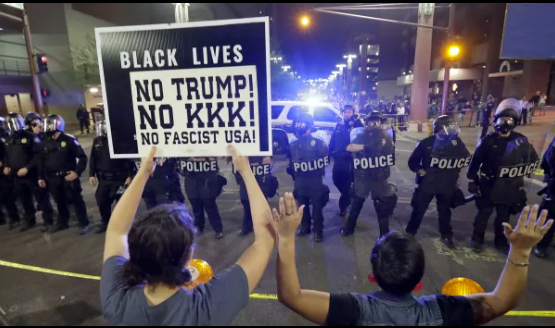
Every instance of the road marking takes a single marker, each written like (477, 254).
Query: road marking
(538, 314)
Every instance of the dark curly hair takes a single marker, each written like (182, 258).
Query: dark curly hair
(160, 243)
(398, 263)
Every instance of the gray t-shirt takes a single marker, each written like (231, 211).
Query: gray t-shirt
(213, 304)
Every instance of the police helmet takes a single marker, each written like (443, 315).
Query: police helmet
(375, 118)
(303, 122)
(54, 123)
(445, 126)
(348, 107)
(15, 122)
(507, 115)
(31, 118)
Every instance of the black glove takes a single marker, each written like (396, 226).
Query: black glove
(473, 188)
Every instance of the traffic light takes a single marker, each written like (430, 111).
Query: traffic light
(42, 63)
(45, 93)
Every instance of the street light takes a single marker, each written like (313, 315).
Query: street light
(286, 68)
(305, 21)
(451, 55)
(453, 51)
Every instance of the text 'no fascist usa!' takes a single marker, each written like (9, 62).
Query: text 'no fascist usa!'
(189, 89)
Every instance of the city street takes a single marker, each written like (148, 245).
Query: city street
(338, 265)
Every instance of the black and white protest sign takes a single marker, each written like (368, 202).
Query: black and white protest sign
(189, 89)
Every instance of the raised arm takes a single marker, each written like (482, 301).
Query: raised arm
(513, 280)
(255, 259)
(311, 305)
(124, 213)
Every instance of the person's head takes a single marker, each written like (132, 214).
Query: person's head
(161, 245)
(15, 122)
(54, 125)
(445, 128)
(33, 121)
(303, 124)
(523, 98)
(506, 116)
(538, 93)
(348, 112)
(374, 120)
(81, 107)
(398, 263)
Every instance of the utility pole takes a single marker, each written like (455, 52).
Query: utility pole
(36, 83)
(448, 62)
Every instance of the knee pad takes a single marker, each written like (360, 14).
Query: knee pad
(385, 205)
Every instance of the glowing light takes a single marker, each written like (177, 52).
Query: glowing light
(305, 21)
(453, 51)
(93, 90)
(461, 287)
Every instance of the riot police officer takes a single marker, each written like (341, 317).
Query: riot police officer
(60, 165)
(20, 164)
(109, 174)
(7, 199)
(437, 162)
(548, 202)
(33, 123)
(261, 168)
(159, 189)
(373, 151)
(497, 170)
(309, 157)
(486, 115)
(203, 184)
(342, 159)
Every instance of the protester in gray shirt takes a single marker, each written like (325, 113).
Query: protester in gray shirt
(145, 263)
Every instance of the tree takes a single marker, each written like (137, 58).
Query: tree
(85, 63)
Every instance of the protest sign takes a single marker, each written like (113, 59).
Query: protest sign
(189, 89)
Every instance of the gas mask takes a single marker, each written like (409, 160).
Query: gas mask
(301, 128)
(504, 124)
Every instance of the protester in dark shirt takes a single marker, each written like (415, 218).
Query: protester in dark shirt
(145, 263)
(398, 265)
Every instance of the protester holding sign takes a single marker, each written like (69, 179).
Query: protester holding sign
(188, 89)
(203, 184)
(145, 262)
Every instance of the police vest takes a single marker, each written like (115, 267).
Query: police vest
(449, 163)
(311, 166)
(258, 170)
(198, 167)
(518, 170)
(365, 163)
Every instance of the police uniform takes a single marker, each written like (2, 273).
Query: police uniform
(266, 182)
(497, 173)
(309, 157)
(7, 199)
(111, 175)
(59, 157)
(203, 185)
(42, 197)
(442, 157)
(21, 147)
(372, 168)
(342, 160)
(548, 202)
(159, 187)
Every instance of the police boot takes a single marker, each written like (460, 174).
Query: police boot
(384, 226)
(101, 229)
(303, 231)
(45, 228)
(58, 228)
(502, 247)
(448, 242)
(27, 226)
(219, 236)
(84, 230)
(540, 253)
(476, 246)
(318, 237)
(14, 225)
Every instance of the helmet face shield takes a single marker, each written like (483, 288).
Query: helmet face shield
(504, 124)
(451, 130)
(15, 123)
(100, 127)
(53, 124)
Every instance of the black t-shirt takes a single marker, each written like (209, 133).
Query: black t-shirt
(345, 310)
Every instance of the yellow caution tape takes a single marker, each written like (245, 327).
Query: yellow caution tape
(538, 314)
(89, 277)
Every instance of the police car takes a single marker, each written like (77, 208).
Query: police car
(326, 117)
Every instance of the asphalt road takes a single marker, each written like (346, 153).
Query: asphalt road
(338, 265)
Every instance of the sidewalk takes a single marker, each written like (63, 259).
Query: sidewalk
(536, 132)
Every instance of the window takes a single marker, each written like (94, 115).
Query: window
(276, 111)
(295, 110)
(323, 114)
